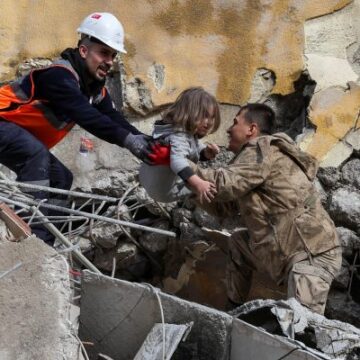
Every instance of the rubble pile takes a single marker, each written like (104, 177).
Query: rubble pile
(193, 264)
(303, 327)
(339, 189)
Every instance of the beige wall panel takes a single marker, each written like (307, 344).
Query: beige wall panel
(218, 44)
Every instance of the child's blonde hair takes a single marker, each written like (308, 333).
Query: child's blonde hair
(192, 106)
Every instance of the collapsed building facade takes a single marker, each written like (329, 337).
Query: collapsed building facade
(300, 58)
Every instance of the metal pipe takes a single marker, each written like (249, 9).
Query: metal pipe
(57, 234)
(59, 191)
(96, 217)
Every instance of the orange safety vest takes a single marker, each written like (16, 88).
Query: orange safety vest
(34, 115)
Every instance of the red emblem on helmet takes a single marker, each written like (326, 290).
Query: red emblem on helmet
(96, 16)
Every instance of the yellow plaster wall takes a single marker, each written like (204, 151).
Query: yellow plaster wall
(214, 43)
(218, 44)
(334, 111)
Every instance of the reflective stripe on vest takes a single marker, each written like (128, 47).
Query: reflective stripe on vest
(34, 115)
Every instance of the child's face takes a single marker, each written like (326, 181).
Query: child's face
(204, 126)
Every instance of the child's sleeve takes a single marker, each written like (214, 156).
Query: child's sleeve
(179, 153)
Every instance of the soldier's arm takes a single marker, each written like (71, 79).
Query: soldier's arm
(248, 171)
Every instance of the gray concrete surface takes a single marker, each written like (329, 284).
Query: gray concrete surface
(117, 316)
(250, 343)
(34, 303)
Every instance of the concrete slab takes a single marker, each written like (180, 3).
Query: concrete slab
(249, 342)
(117, 316)
(34, 303)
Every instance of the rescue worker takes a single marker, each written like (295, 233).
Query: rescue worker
(290, 235)
(39, 109)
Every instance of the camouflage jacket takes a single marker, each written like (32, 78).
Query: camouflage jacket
(270, 183)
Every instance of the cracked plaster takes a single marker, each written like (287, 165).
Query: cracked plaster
(214, 43)
(221, 45)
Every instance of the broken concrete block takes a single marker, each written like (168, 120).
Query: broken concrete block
(117, 316)
(345, 207)
(124, 255)
(350, 173)
(349, 241)
(180, 215)
(337, 155)
(5, 234)
(329, 176)
(333, 338)
(35, 303)
(353, 139)
(202, 218)
(341, 280)
(249, 342)
(107, 235)
(339, 306)
(155, 242)
(190, 232)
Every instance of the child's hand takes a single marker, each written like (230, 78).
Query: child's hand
(211, 151)
(204, 189)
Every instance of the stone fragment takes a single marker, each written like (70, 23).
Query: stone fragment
(126, 254)
(333, 338)
(353, 139)
(349, 240)
(155, 242)
(107, 235)
(340, 307)
(202, 218)
(345, 208)
(160, 209)
(189, 233)
(85, 244)
(5, 234)
(341, 280)
(329, 176)
(337, 155)
(180, 215)
(351, 173)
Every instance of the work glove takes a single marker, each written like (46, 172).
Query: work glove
(145, 148)
(138, 145)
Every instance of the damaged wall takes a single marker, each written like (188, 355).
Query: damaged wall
(238, 50)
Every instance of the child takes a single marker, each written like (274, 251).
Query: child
(194, 114)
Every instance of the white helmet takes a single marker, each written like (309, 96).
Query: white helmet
(106, 28)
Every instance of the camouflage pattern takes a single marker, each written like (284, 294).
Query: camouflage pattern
(270, 184)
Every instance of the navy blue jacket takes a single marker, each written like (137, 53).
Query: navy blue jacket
(61, 91)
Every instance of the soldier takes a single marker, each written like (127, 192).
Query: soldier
(290, 235)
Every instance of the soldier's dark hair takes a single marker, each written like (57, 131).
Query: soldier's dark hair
(260, 114)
